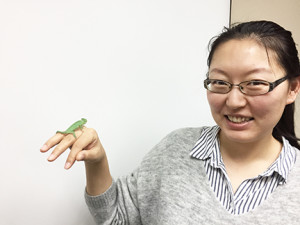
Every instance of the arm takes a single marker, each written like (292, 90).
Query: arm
(118, 204)
(98, 178)
(108, 201)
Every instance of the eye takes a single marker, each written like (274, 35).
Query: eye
(219, 83)
(255, 87)
(257, 83)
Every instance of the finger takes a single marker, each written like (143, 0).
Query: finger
(52, 142)
(64, 144)
(86, 139)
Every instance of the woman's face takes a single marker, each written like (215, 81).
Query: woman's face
(242, 118)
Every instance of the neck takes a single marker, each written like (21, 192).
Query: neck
(266, 148)
(248, 160)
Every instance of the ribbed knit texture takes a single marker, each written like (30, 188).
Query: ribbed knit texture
(170, 188)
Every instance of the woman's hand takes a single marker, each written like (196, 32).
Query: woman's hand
(86, 147)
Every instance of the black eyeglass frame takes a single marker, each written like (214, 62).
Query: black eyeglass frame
(272, 85)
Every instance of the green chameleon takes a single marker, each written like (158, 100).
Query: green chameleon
(73, 127)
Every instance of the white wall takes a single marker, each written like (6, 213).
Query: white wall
(133, 68)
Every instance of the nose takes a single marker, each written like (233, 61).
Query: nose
(235, 98)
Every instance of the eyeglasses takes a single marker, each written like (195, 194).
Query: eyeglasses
(252, 87)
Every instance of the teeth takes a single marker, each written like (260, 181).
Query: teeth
(238, 119)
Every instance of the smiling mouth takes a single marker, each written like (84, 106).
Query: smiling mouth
(238, 119)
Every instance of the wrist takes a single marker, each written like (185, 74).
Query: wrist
(98, 178)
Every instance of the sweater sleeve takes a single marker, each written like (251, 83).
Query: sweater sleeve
(135, 199)
(118, 205)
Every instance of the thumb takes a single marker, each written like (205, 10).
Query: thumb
(89, 156)
(80, 156)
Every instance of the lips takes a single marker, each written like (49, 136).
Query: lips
(239, 119)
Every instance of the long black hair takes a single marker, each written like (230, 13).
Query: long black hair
(272, 37)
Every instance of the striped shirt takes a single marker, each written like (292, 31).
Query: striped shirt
(252, 192)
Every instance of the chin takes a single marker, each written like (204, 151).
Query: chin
(242, 137)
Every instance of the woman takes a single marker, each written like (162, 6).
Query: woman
(241, 171)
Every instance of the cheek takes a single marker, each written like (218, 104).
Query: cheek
(260, 107)
(215, 102)
(268, 109)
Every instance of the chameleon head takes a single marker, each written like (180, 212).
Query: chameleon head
(84, 120)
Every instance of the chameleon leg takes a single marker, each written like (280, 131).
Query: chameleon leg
(74, 134)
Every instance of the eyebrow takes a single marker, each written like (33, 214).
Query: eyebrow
(256, 70)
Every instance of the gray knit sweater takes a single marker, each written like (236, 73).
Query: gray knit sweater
(170, 188)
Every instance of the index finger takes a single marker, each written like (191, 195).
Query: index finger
(52, 142)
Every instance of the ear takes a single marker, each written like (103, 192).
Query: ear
(294, 90)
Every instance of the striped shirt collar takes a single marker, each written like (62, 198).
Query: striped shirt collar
(207, 148)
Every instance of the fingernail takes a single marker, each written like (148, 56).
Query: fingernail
(67, 165)
(51, 157)
(44, 147)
